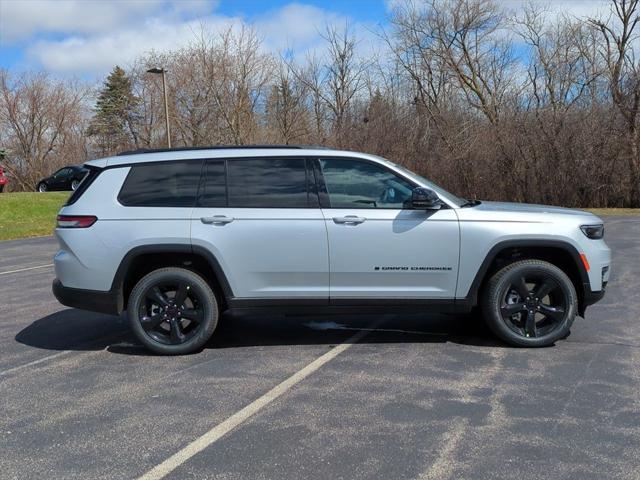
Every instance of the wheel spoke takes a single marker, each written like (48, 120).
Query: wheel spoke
(543, 290)
(157, 296)
(521, 287)
(181, 294)
(149, 323)
(554, 312)
(176, 332)
(192, 314)
(530, 324)
(512, 309)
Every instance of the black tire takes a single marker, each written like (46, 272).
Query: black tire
(160, 321)
(75, 184)
(1, 188)
(42, 187)
(530, 316)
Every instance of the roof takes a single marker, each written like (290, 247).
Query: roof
(196, 153)
(215, 147)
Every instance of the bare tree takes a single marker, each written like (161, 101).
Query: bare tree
(335, 79)
(622, 67)
(286, 109)
(42, 125)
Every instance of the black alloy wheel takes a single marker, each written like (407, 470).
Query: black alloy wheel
(173, 311)
(533, 306)
(530, 303)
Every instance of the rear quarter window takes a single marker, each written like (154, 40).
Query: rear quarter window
(162, 184)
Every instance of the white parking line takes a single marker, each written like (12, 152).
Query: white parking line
(35, 362)
(87, 346)
(25, 269)
(217, 432)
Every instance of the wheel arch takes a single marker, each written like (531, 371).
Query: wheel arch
(143, 259)
(557, 252)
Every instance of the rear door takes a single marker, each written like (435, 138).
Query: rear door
(261, 219)
(379, 247)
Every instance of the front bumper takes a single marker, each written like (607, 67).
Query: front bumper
(591, 297)
(92, 300)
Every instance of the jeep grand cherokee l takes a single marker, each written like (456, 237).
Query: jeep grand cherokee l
(175, 237)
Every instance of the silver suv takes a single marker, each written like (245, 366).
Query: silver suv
(175, 237)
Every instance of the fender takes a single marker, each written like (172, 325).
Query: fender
(131, 255)
(472, 295)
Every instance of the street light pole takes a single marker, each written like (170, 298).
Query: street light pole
(166, 101)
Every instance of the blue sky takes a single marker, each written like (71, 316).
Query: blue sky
(86, 38)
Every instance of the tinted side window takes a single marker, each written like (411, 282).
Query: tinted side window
(267, 183)
(214, 192)
(360, 184)
(164, 184)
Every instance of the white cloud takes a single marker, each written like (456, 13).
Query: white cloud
(294, 27)
(99, 53)
(575, 8)
(20, 19)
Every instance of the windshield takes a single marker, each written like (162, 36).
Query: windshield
(457, 201)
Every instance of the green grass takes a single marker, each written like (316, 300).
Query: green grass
(25, 215)
(614, 211)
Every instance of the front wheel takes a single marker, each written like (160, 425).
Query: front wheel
(173, 311)
(530, 303)
(42, 187)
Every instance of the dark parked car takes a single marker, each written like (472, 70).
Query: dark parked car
(67, 178)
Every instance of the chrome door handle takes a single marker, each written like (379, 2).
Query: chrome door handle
(351, 219)
(217, 219)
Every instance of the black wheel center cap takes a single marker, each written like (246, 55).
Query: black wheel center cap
(172, 310)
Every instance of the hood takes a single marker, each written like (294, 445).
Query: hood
(526, 208)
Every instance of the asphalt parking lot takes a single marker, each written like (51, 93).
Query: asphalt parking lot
(419, 396)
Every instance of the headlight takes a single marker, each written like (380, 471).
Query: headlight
(594, 232)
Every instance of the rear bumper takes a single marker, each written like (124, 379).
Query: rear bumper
(92, 300)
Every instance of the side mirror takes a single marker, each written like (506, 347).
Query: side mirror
(424, 198)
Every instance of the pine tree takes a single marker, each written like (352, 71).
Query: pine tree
(114, 120)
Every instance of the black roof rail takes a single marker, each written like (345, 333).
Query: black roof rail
(216, 147)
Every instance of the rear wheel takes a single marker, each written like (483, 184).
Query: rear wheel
(42, 187)
(75, 184)
(530, 303)
(173, 311)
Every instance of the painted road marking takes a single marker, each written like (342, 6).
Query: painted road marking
(217, 432)
(25, 269)
(65, 352)
(35, 362)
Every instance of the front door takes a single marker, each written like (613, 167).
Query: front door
(380, 248)
(261, 219)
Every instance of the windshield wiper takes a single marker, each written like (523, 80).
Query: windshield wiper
(470, 203)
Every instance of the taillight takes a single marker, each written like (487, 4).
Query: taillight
(76, 221)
